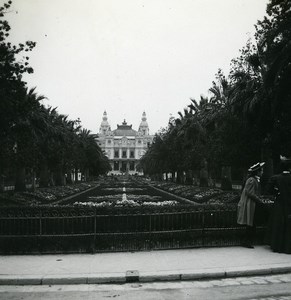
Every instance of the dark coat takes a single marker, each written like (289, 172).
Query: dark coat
(247, 204)
(280, 223)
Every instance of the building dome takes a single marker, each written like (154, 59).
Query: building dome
(124, 130)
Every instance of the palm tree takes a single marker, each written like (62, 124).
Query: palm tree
(27, 129)
(247, 100)
(47, 143)
(155, 160)
(90, 153)
(273, 35)
(260, 83)
(65, 155)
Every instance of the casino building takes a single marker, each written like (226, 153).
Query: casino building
(124, 146)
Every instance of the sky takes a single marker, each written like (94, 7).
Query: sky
(130, 56)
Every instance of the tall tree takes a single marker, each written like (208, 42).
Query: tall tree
(273, 36)
(26, 132)
(13, 64)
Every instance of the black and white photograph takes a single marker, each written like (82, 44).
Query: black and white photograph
(145, 149)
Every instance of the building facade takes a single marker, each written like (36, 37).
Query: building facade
(124, 146)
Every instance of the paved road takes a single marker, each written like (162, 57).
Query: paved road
(276, 287)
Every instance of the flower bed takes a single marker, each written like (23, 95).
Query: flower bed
(135, 189)
(144, 198)
(224, 198)
(127, 200)
(43, 195)
(205, 195)
(105, 190)
(127, 203)
(195, 193)
(109, 193)
(102, 198)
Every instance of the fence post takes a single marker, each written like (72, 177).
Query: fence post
(95, 230)
(151, 235)
(203, 227)
(40, 222)
(39, 246)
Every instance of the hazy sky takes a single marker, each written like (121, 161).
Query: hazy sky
(130, 56)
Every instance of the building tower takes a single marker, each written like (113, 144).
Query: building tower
(144, 127)
(104, 127)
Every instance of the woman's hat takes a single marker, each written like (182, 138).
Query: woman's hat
(285, 159)
(256, 167)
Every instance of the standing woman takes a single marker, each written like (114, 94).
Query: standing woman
(247, 204)
(280, 231)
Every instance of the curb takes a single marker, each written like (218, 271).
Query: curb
(136, 276)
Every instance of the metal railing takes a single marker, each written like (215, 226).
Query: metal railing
(71, 230)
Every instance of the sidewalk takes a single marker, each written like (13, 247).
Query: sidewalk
(147, 266)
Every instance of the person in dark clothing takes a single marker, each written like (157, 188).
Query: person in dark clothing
(249, 198)
(280, 225)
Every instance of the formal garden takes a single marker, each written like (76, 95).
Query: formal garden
(187, 197)
(127, 214)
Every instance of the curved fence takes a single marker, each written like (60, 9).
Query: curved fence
(69, 229)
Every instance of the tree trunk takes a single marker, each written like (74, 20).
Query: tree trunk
(173, 176)
(203, 174)
(51, 179)
(195, 176)
(33, 180)
(20, 179)
(76, 175)
(189, 177)
(86, 174)
(2, 183)
(226, 181)
(59, 177)
(179, 176)
(268, 167)
(44, 175)
(203, 178)
(69, 177)
(167, 176)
